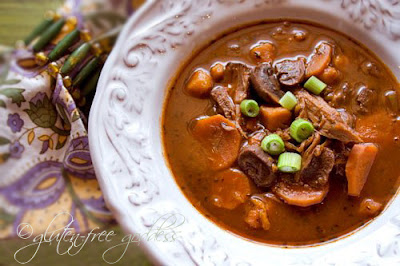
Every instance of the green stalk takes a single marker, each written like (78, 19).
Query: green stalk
(86, 71)
(62, 47)
(45, 24)
(48, 35)
(77, 56)
(91, 84)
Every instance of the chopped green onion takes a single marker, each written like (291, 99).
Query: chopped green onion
(288, 101)
(315, 85)
(289, 162)
(249, 108)
(301, 129)
(273, 144)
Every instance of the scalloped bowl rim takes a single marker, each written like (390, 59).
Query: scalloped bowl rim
(113, 193)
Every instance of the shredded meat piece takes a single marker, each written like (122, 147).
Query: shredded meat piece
(364, 100)
(315, 172)
(341, 152)
(239, 121)
(284, 134)
(315, 140)
(328, 120)
(224, 102)
(238, 75)
(310, 185)
(257, 217)
(256, 138)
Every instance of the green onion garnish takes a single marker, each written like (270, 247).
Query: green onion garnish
(273, 144)
(288, 101)
(301, 129)
(249, 108)
(315, 85)
(289, 162)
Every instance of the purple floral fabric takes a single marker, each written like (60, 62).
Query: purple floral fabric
(45, 162)
(15, 122)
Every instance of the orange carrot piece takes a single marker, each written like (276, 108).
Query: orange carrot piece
(200, 84)
(275, 117)
(220, 140)
(361, 159)
(230, 189)
(320, 60)
(299, 195)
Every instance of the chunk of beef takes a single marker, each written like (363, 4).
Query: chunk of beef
(224, 102)
(310, 185)
(365, 99)
(341, 152)
(291, 72)
(266, 84)
(257, 137)
(328, 120)
(347, 118)
(257, 165)
(315, 172)
(257, 216)
(238, 75)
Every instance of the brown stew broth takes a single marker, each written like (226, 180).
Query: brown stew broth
(339, 213)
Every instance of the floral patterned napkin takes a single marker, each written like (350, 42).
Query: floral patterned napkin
(45, 164)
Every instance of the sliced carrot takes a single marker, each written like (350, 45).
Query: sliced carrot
(230, 189)
(275, 117)
(320, 60)
(370, 207)
(264, 52)
(220, 140)
(200, 84)
(359, 163)
(298, 195)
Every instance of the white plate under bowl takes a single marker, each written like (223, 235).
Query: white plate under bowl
(125, 139)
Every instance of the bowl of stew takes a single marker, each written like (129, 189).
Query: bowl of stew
(265, 131)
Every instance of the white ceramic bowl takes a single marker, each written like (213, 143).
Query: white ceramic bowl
(125, 119)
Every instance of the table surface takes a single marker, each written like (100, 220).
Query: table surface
(17, 18)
